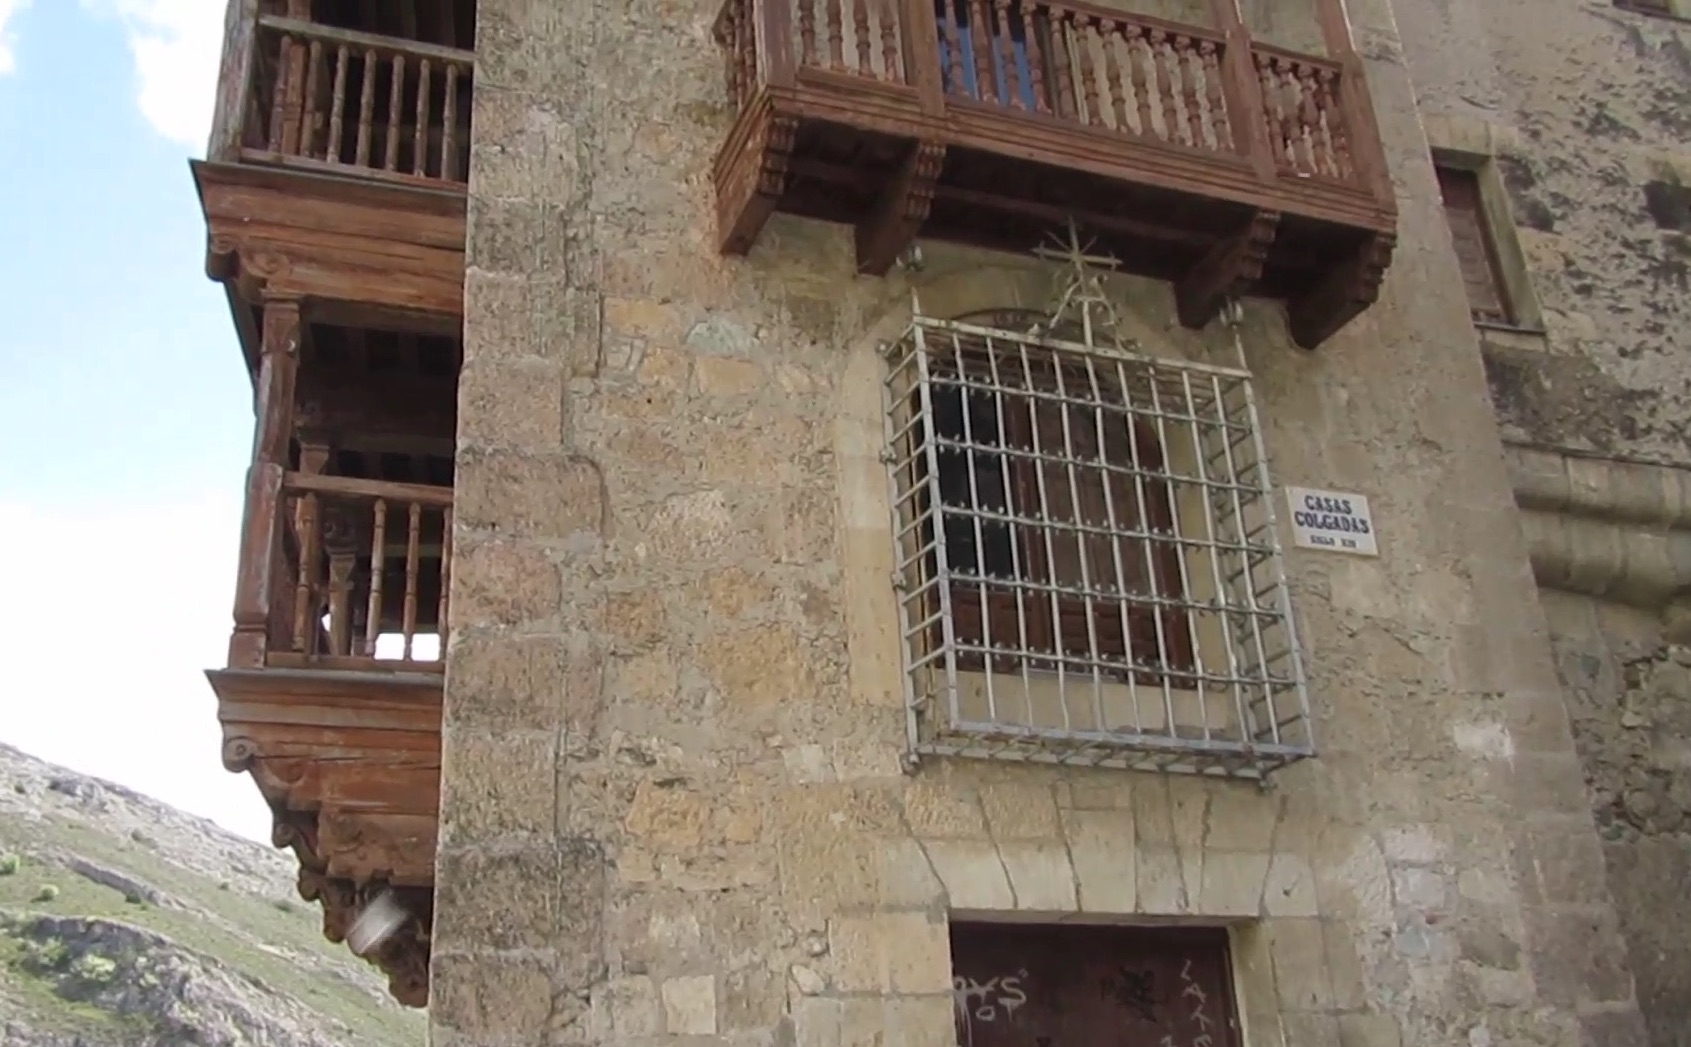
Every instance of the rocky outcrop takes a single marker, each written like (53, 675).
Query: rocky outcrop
(127, 923)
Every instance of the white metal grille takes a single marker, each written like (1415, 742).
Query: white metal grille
(1088, 570)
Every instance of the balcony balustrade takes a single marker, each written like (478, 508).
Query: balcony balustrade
(1196, 155)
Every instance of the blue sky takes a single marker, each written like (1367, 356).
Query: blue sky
(125, 412)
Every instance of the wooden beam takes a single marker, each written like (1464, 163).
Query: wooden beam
(1349, 287)
(1228, 271)
(234, 81)
(904, 205)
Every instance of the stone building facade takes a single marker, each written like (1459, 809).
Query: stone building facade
(677, 799)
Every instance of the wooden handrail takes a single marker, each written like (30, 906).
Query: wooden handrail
(354, 487)
(1081, 7)
(388, 45)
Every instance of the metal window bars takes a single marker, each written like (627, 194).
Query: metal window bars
(1087, 564)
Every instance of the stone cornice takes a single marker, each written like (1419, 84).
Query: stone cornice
(1619, 530)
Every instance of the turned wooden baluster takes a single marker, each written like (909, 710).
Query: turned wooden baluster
(366, 107)
(1037, 86)
(449, 126)
(378, 565)
(807, 32)
(279, 103)
(310, 116)
(412, 553)
(1344, 163)
(953, 48)
(860, 33)
(396, 89)
(1309, 118)
(305, 596)
(1140, 60)
(889, 41)
(1288, 109)
(980, 16)
(1060, 32)
(1189, 65)
(836, 36)
(332, 148)
(1083, 35)
(1007, 52)
(1161, 56)
(1271, 110)
(445, 578)
(1217, 102)
(420, 134)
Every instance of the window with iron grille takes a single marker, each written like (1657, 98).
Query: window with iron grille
(1087, 559)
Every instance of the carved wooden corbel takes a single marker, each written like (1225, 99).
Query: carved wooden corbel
(1349, 288)
(903, 207)
(754, 186)
(1228, 271)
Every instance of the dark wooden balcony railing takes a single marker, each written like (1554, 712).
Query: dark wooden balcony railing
(357, 103)
(993, 121)
(359, 574)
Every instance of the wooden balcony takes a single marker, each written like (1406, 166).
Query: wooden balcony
(337, 167)
(1192, 154)
(331, 697)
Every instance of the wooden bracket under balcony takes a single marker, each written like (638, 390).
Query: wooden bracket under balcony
(350, 765)
(1226, 166)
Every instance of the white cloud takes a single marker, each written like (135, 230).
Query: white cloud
(177, 45)
(107, 623)
(8, 39)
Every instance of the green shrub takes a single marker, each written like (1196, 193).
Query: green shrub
(47, 893)
(93, 968)
(9, 864)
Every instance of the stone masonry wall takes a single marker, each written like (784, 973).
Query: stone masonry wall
(1590, 110)
(1629, 696)
(673, 805)
(1590, 107)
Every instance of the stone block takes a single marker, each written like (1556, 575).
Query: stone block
(761, 667)
(904, 953)
(514, 404)
(723, 377)
(1040, 875)
(1618, 1028)
(488, 998)
(1241, 818)
(906, 878)
(507, 898)
(503, 236)
(1577, 955)
(1105, 860)
(1299, 950)
(498, 323)
(1344, 966)
(668, 817)
(1559, 864)
(635, 619)
(504, 683)
(1152, 813)
(1290, 890)
(497, 784)
(1016, 811)
(1369, 1030)
(502, 581)
(824, 871)
(1232, 883)
(689, 1005)
(549, 495)
(753, 999)
(1310, 1030)
(1160, 887)
(973, 874)
(627, 1007)
(939, 809)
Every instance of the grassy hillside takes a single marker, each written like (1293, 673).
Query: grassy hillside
(125, 922)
